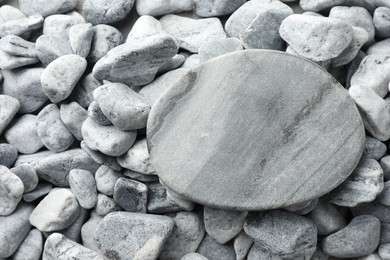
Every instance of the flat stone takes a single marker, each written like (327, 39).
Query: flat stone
(384, 196)
(27, 175)
(15, 45)
(96, 113)
(319, 5)
(208, 8)
(9, 106)
(11, 191)
(80, 39)
(217, 47)
(128, 235)
(49, 48)
(46, 7)
(381, 20)
(160, 7)
(31, 247)
(374, 149)
(9, 62)
(40, 190)
(100, 158)
(171, 64)
(242, 244)
(131, 195)
(83, 185)
(8, 154)
(216, 179)
(210, 249)
(137, 158)
(105, 37)
(73, 116)
(106, 205)
(106, 11)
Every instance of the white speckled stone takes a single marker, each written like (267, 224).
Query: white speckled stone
(145, 26)
(58, 25)
(49, 48)
(379, 47)
(15, 45)
(217, 47)
(105, 205)
(106, 179)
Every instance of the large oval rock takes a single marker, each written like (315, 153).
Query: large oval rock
(268, 125)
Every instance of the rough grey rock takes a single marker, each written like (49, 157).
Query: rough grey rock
(73, 115)
(31, 247)
(49, 48)
(15, 45)
(106, 179)
(27, 175)
(61, 75)
(207, 8)
(9, 106)
(58, 25)
(186, 236)
(193, 256)
(58, 210)
(282, 233)
(133, 235)
(24, 85)
(131, 195)
(141, 58)
(384, 251)
(11, 191)
(359, 238)
(88, 231)
(83, 185)
(192, 33)
(214, 179)
(217, 47)
(96, 113)
(24, 126)
(210, 249)
(374, 149)
(83, 92)
(242, 244)
(137, 158)
(223, 225)
(101, 158)
(385, 164)
(80, 39)
(105, 205)
(56, 167)
(320, 5)
(21, 26)
(160, 7)
(46, 7)
(106, 11)
(381, 20)
(52, 131)
(40, 190)
(379, 47)
(122, 106)
(14, 229)
(327, 218)
(107, 139)
(105, 37)
(57, 246)
(8, 154)
(144, 26)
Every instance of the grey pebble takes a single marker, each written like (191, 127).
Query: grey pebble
(107, 139)
(83, 185)
(105, 205)
(381, 20)
(52, 131)
(105, 37)
(375, 209)
(212, 250)
(8, 154)
(379, 47)
(106, 11)
(9, 62)
(173, 63)
(207, 8)
(359, 238)
(140, 176)
(80, 39)
(160, 7)
(73, 116)
(73, 232)
(101, 158)
(88, 231)
(384, 197)
(27, 175)
(133, 235)
(131, 195)
(15, 45)
(8, 12)
(14, 229)
(137, 158)
(40, 190)
(21, 26)
(46, 7)
(11, 191)
(319, 5)
(374, 149)
(384, 251)
(58, 25)
(217, 47)
(49, 48)
(24, 126)
(83, 91)
(32, 159)
(385, 164)
(242, 244)
(9, 106)
(143, 27)
(96, 113)
(106, 179)
(193, 256)
(31, 247)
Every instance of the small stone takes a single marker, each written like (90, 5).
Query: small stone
(217, 47)
(40, 190)
(88, 231)
(359, 238)
(49, 48)
(303, 208)
(105, 38)
(15, 45)
(282, 233)
(193, 256)
(27, 175)
(384, 251)
(242, 244)
(11, 191)
(374, 149)
(58, 210)
(381, 20)
(208, 8)
(379, 47)
(83, 91)
(212, 250)
(223, 225)
(73, 116)
(125, 235)
(107, 139)
(106, 11)
(95, 113)
(105, 205)
(80, 39)
(31, 247)
(59, 25)
(46, 7)
(101, 158)
(319, 5)
(9, 106)
(137, 158)
(83, 185)
(157, 8)
(186, 236)
(8, 155)
(385, 164)
(106, 179)
(131, 195)
(21, 26)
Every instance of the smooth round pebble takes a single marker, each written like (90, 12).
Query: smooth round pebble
(106, 179)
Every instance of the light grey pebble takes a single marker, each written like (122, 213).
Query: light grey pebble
(15, 45)
(58, 210)
(107, 139)
(25, 85)
(374, 149)
(133, 235)
(11, 191)
(144, 26)
(8, 12)
(381, 20)
(173, 63)
(80, 39)
(9, 62)
(223, 225)
(52, 131)
(320, 5)
(131, 195)
(57, 246)
(73, 232)
(83, 91)
(137, 158)
(375, 209)
(8, 154)
(61, 75)
(217, 47)
(193, 256)
(46, 7)
(88, 231)
(242, 244)
(73, 116)
(40, 190)
(101, 158)
(211, 249)
(14, 229)
(31, 247)
(21, 26)
(58, 25)
(192, 33)
(24, 126)
(27, 175)
(152, 52)
(55, 168)
(191, 61)
(9, 106)
(96, 113)
(385, 164)
(106, 11)
(208, 8)
(122, 106)
(186, 236)
(359, 238)
(49, 48)
(106, 179)
(105, 205)
(283, 233)
(140, 176)
(373, 109)
(302, 208)
(258, 252)
(328, 37)
(83, 185)
(327, 218)
(105, 37)
(384, 251)
(379, 47)
(160, 7)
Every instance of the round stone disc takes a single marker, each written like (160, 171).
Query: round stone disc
(255, 130)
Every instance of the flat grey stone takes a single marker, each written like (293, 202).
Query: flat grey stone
(24, 126)
(21, 26)
(55, 168)
(80, 39)
(58, 210)
(49, 48)
(160, 7)
(210, 249)
(105, 205)
(11, 191)
(319, 5)
(83, 185)
(381, 20)
(137, 158)
(379, 47)
(122, 106)
(140, 176)
(96, 113)
(141, 58)
(282, 233)
(375, 209)
(192, 33)
(73, 115)
(9, 106)
(193, 256)
(25, 86)
(15, 45)
(31, 247)
(385, 164)
(106, 11)
(105, 37)
(106, 179)
(133, 235)
(359, 238)
(242, 244)
(8, 154)
(215, 179)
(40, 190)
(186, 236)
(59, 25)
(101, 158)
(88, 231)
(209, 8)
(302, 208)
(217, 47)
(107, 139)
(52, 131)
(374, 149)
(83, 91)
(131, 195)
(27, 175)
(46, 7)
(14, 229)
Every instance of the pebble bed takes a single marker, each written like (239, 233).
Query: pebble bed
(76, 178)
